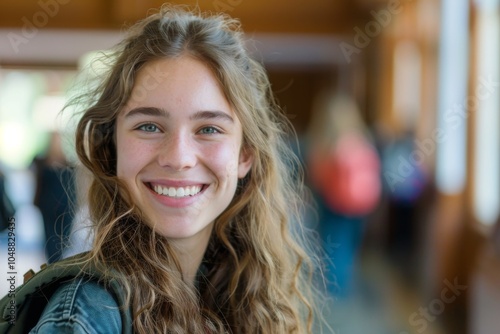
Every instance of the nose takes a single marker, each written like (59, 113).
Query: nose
(177, 152)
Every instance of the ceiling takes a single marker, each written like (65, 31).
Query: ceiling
(58, 32)
(290, 16)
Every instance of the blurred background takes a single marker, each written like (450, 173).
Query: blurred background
(397, 107)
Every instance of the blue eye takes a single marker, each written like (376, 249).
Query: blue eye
(209, 130)
(149, 127)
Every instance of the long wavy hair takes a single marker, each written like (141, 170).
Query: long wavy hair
(256, 274)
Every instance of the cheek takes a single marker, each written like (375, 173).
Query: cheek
(223, 161)
(130, 158)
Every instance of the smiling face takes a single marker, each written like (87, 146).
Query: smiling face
(179, 148)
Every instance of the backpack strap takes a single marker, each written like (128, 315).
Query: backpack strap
(22, 308)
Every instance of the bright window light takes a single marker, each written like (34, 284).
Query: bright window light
(487, 112)
(452, 98)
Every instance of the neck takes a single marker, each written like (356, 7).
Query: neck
(190, 254)
(189, 265)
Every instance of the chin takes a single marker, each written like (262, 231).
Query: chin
(179, 230)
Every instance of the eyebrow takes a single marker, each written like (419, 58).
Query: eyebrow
(148, 111)
(204, 114)
(212, 114)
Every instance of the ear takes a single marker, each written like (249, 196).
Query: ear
(245, 162)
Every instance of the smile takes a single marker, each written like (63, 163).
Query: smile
(176, 192)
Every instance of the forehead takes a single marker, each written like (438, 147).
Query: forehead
(181, 81)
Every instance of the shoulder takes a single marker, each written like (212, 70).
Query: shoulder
(80, 306)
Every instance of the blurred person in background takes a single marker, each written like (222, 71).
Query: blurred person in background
(405, 182)
(344, 171)
(7, 210)
(54, 196)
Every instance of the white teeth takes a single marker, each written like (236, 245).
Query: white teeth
(177, 192)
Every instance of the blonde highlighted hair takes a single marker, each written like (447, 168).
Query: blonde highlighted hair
(256, 275)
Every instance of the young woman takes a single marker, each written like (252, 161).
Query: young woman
(192, 199)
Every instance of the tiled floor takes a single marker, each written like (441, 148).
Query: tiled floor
(380, 304)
